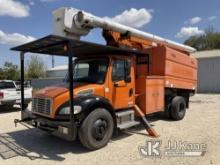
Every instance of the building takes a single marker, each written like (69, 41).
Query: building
(57, 72)
(61, 71)
(54, 76)
(208, 71)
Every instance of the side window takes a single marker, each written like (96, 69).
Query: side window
(6, 85)
(118, 72)
(10, 85)
(81, 70)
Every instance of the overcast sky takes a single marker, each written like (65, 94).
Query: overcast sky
(25, 20)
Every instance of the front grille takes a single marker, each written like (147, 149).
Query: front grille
(41, 105)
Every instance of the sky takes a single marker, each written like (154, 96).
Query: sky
(22, 21)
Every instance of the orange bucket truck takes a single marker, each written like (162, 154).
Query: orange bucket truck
(108, 87)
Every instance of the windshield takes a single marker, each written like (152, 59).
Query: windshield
(90, 70)
(6, 85)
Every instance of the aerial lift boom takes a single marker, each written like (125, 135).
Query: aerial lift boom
(74, 23)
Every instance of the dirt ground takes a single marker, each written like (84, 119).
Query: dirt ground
(19, 145)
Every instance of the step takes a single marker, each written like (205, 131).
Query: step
(124, 113)
(125, 116)
(128, 124)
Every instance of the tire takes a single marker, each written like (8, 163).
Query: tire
(97, 129)
(178, 108)
(7, 106)
(4, 107)
(167, 113)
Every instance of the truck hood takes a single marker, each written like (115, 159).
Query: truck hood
(54, 91)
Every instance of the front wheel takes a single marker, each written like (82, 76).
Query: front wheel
(97, 129)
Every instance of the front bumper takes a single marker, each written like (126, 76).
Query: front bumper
(12, 102)
(61, 129)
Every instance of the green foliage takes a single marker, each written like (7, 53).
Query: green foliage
(35, 68)
(9, 72)
(208, 41)
(2, 74)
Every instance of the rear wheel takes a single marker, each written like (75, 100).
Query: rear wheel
(178, 108)
(97, 129)
(7, 106)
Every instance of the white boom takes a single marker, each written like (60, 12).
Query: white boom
(74, 23)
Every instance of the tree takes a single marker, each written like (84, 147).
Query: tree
(2, 74)
(9, 71)
(208, 41)
(35, 68)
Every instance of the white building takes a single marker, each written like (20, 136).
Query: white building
(57, 72)
(61, 71)
(208, 71)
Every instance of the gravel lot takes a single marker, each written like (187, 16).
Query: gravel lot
(201, 125)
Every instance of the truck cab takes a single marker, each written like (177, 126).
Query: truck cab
(109, 78)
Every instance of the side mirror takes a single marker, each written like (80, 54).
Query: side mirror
(128, 79)
(120, 83)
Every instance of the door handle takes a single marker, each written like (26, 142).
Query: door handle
(131, 92)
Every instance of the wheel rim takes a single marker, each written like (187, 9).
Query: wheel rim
(99, 129)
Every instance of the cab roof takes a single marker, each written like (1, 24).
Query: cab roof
(54, 45)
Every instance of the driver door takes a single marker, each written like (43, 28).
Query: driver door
(122, 83)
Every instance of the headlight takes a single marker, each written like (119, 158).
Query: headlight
(66, 110)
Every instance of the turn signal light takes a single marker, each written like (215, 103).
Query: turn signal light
(1, 95)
